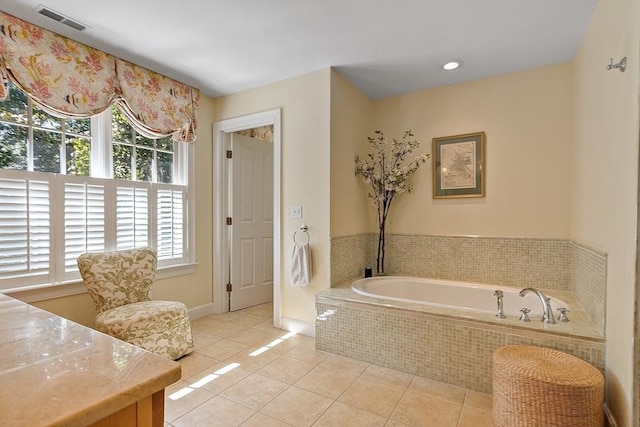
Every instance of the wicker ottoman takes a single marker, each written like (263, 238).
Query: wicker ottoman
(542, 387)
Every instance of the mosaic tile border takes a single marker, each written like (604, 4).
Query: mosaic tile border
(455, 351)
(349, 256)
(589, 281)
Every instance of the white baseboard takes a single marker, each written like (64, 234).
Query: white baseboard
(201, 311)
(298, 326)
(610, 420)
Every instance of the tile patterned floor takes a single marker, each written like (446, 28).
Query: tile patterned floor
(246, 373)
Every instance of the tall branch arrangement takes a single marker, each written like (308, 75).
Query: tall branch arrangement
(386, 172)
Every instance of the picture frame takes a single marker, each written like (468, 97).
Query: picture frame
(459, 166)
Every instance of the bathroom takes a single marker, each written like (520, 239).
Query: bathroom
(559, 139)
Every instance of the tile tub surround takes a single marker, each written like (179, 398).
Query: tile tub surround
(548, 264)
(349, 256)
(589, 280)
(436, 343)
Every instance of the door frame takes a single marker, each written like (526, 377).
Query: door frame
(220, 186)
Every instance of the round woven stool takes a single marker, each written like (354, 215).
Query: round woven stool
(542, 387)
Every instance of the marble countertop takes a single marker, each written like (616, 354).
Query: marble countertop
(55, 372)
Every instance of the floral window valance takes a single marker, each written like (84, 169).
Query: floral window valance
(71, 79)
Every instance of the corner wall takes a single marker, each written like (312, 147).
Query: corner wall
(351, 117)
(605, 177)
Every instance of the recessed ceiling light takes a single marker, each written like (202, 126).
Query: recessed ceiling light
(452, 65)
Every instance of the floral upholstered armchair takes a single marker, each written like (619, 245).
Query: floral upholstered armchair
(119, 283)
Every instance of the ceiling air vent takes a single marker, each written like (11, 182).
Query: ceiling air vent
(42, 10)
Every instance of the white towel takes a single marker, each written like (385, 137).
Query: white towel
(300, 264)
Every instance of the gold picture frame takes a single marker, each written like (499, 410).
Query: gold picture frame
(458, 166)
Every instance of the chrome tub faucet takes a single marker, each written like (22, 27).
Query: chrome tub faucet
(547, 316)
(499, 295)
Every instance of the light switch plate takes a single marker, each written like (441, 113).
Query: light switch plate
(296, 211)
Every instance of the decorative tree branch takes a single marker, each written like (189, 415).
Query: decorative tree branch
(384, 170)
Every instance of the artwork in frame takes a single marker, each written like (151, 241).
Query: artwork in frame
(458, 166)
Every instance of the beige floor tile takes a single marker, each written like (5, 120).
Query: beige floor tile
(266, 324)
(255, 391)
(477, 400)
(341, 415)
(205, 322)
(225, 329)
(387, 376)
(443, 391)
(373, 396)
(223, 384)
(218, 378)
(195, 362)
(262, 420)
(256, 337)
(327, 381)
(223, 349)
(297, 407)
(345, 364)
(424, 410)
(230, 315)
(286, 341)
(217, 411)
(392, 423)
(202, 339)
(307, 351)
(286, 369)
(475, 418)
(253, 358)
(264, 310)
(249, 320)
(180, 399)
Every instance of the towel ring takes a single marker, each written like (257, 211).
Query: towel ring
(304, 229)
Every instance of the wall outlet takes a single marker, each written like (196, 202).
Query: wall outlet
(296, 211)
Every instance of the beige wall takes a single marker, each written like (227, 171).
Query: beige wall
(527, 120)
(605, 176)
(194, 289)
(305, 131)
(351, 121)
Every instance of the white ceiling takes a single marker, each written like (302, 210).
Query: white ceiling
(384, 47)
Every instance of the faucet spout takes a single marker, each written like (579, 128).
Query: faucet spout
(547, 316)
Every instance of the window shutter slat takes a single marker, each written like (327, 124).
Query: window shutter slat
(83, 221)
(169, 223)
(24, 228)
(132, 217)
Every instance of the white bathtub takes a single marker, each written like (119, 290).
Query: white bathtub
(457, 295)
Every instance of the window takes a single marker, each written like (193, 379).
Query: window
(66, 188)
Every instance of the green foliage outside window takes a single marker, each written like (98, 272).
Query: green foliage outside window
(147, 152)
(48, 133)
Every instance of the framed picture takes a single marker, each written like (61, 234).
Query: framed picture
(458, 166)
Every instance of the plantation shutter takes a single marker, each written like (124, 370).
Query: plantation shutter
(83, 221)
(170, 222)
(24, 229)
(132, 217)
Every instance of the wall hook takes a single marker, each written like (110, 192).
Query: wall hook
(622, 65)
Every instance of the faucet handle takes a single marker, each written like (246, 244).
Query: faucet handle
(524, 316)
(563, 314)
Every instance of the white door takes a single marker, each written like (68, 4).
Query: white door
(251, 269)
